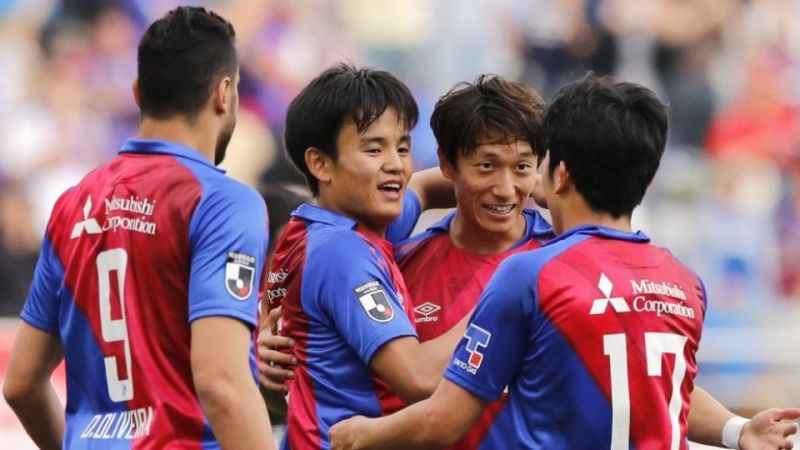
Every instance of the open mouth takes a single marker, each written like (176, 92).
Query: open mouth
(499, 209)
(390, 187)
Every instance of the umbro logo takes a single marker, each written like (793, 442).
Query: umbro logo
(600, 305)
(88, 224)
(427, 308)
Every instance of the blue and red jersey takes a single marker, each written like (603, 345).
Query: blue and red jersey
(445, 283)
(595, 335)
(343, 298)
(141, 247)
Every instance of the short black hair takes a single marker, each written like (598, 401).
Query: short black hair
(611, 136)
(181, 56)
(341, 93)
(491, 107)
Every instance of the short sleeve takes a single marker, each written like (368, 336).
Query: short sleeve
(491, 351)
(42, 304)
(350, 281)
(402, 227)
(228, 237)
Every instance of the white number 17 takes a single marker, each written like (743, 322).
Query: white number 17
(656, 344)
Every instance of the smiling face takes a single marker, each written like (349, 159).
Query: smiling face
(492, 186)
(370, 174)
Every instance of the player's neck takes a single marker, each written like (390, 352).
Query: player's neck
(470, 236)
(330, 203)
(179, 130)
(576, 213)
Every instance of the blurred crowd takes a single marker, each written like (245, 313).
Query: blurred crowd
(727, 199)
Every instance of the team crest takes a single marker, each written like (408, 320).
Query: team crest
(374, 300)
(239, 274)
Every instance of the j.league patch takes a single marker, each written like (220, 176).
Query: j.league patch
(374, 300)
(239, 273)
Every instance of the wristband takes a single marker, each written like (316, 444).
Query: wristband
(732, 430)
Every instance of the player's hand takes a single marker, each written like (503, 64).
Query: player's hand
(274, 366)
(344, 435)
(769, 430)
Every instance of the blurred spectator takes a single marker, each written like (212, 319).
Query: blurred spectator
(19, 248)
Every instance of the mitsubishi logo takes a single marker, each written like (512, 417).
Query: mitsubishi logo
(617, 303)
(89, 224)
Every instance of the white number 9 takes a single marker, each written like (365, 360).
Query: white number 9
(114, 330)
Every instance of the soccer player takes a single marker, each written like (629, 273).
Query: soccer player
(491, 161)
(595, 335)
(147, 280)
(344, 300)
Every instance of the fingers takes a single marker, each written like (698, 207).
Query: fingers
(276, 358)
(274, 341)
(786, 414)
(272, 319)
(272, 385)
(274, 377)
(789, 428)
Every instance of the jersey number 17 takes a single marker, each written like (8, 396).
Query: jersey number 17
(656, 344)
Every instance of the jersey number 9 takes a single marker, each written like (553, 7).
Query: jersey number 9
(114, 330)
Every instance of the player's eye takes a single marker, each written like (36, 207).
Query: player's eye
(404, 150)
(486, 165)
(524, 166)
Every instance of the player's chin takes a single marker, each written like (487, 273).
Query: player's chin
(385, 215)
(388, 212)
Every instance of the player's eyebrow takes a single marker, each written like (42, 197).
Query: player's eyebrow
(380, 140)
(526, 153)
(483, 153)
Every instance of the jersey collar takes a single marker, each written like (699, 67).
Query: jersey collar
(315, 213)
(157, 146)
(603, 232)
(535, 225)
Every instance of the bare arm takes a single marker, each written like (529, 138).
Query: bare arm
(434, 422)
(413, 369)
(28, 389)
(707, 417)
(225, 386)
(432, 189)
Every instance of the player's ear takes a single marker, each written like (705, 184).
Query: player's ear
(562, 180)
(319, 164)
(444, 165)
(222, 97)
(136, 93)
